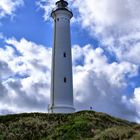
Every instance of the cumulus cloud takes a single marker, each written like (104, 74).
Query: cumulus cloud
(47, 6)
(25, 80)
(98, 61)
(116, 23)
(101, 84)
(25, 76)
(8, 7)
(25, 65)
(136, 102)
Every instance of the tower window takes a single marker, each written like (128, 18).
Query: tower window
(64, 54)
(57, 19)
(65, 79)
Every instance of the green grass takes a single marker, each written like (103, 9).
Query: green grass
(85, 125)
(115, 133)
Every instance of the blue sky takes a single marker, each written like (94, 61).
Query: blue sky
(105, 48)
(28, 23)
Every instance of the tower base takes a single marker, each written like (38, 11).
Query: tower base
(64, 109)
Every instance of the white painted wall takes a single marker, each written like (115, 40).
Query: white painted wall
(61, 92)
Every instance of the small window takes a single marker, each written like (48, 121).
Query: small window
(57, 19)
(64, 54)
(65, 79)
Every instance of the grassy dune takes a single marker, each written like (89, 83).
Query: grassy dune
(85, 125)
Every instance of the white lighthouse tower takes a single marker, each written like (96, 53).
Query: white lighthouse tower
(61, 76)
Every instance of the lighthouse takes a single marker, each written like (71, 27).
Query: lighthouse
(61, 71)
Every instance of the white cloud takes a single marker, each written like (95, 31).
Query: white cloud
(100, 84)
(107, 17)
(116, 23)
(47, 6)
(130, 54)
(26, 87)
(97, 61)
(136, 101)
(8, 7)
(25, 65)
(97, 83)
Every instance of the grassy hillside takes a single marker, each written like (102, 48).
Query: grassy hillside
(85, 125)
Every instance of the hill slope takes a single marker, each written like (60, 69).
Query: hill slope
(86, 125)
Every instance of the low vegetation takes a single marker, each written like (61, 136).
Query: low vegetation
(85, 125)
